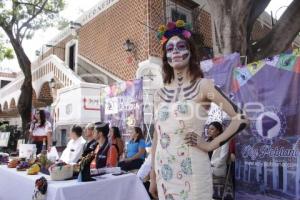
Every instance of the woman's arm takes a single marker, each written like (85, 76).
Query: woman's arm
(140, 153)
(212, 93)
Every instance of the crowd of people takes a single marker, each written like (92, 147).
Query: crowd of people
(108, 146)
(105, 142)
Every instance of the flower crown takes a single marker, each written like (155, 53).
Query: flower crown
(174, 28)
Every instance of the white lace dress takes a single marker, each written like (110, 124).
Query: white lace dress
(183, 172)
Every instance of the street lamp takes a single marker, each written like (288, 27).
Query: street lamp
(128, 45)
(75, 26)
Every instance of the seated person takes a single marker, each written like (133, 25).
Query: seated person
(74, 148)
(116, 141)
(220, 155)
(102, 157)
(135, 151)
(91, 143)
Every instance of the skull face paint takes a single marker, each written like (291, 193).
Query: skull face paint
(178, 53)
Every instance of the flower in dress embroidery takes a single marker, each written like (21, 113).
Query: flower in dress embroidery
(182, 150)
(179, 131)
(165, 140)
(171, 159)
(166, 172)
(184, 195)
(169, 197)
(163, 113)
(182, 108)
(186, 166)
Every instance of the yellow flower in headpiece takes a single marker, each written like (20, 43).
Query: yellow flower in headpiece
(162, 28)
(180, 23)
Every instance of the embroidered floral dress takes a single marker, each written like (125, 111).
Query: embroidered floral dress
(183, 172)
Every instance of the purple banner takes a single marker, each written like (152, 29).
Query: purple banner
(121, 105)
(268, 159)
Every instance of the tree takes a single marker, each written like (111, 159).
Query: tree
(233, 22)
(19, 19)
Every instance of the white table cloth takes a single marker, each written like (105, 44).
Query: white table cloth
(16, 185)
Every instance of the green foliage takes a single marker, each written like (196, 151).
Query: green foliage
(63, 24)
(5, 52)
(26, 16)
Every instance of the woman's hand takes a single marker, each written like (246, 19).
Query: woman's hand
(232, 157)
(153, 185)
(195, 140)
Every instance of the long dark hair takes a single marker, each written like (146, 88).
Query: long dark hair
(194, 64)
(42, 117)
(103, 128)
(116, 132)
(139, 131)
(217, 125)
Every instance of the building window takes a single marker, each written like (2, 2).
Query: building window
(175, 12)
(71, 54)
(176, 15)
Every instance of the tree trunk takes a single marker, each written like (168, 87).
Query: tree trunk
(281, 36)
(25, 100)
(229, 26)
(232, 25)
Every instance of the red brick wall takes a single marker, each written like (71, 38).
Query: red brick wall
(45, 94)
(57, 50)
(101, 40)
(156, 17)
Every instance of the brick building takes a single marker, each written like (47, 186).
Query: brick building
(113, 41)
(101, 38)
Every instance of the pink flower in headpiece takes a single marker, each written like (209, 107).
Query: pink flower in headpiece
(171, 25)
(163, 40)
(186, 34)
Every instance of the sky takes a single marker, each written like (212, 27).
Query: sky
(74, 9)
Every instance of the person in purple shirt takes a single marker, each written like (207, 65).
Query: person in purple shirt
(135, 151)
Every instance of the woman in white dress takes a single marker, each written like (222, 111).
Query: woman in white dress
(181, 166)
(40, 131)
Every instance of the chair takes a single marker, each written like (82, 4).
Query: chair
(222, 186)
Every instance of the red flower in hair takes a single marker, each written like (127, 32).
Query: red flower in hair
(171, 25)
